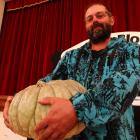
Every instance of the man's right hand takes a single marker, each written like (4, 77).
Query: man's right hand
(5, 111)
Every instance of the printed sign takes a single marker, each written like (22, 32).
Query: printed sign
(129, 36)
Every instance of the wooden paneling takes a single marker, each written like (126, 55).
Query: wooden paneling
(2, 102)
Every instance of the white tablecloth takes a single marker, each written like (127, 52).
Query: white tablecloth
(7, 134)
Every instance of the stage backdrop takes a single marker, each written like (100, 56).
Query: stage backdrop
(32, 35)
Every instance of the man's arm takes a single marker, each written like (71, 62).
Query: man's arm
(110, 99)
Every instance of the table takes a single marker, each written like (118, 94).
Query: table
(7, 134)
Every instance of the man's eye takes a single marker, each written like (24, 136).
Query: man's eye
(89, 18)
(100, 15)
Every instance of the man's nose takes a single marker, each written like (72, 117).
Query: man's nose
(95, 19)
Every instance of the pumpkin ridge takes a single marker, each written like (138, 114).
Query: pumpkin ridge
(69, 88)
(45, 91)
(32, 117)
(77, 86)
(17, 114)
(53, 89)
(60, 89)
(36, 107)
(73, 86)
(32, 120)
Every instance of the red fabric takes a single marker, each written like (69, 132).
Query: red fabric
(31, 36)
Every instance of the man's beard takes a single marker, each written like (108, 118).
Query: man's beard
(99, 32)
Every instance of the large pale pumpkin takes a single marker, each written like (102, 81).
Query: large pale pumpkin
(25, 112)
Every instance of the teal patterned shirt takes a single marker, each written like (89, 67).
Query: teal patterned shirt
(112, 79)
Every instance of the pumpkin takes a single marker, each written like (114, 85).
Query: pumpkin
(25, 112)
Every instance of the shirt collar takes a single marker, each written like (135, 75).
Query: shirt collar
(113, 42)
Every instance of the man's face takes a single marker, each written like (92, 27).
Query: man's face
(98, 23)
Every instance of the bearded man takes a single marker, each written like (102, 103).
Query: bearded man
(110, 71)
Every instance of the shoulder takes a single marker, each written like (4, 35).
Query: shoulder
(73, 52)
(124, 45)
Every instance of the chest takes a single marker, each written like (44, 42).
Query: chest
(91, 69)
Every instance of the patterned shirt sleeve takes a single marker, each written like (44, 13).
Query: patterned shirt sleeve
(110, 98)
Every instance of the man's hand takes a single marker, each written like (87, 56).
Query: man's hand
(5, 111)
(59, 121)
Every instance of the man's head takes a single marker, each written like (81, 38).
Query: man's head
(98, 22)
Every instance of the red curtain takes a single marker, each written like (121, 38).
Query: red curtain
(31, 36)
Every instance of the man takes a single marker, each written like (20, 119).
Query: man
(110, 70)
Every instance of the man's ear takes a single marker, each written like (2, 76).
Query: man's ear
(112, 20)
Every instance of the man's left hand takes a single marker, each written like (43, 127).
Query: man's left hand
(59, 121)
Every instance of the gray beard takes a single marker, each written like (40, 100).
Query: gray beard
(101, 34)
